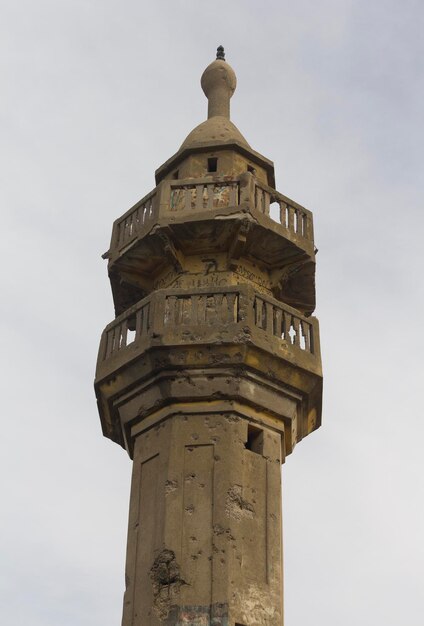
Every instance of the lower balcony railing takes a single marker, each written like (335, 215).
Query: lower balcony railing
(237, 309)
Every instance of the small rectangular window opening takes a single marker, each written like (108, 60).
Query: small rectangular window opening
(250, 169)
(255, 440)
(212, 164)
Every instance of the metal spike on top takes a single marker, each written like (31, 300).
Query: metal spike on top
(220, 54)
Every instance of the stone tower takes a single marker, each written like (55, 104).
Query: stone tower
(209, 375)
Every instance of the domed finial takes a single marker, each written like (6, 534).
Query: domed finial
(219, 83)
(220, 54)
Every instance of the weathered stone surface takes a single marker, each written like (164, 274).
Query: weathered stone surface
(209, 375)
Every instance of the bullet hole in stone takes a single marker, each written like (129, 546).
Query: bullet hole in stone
(195, 436)
(217, 458)
(231, 418)
(236, 506)
(189, 509)
(170, 486)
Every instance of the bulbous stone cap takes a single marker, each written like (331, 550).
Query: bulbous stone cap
(215, 130)
(218, 83)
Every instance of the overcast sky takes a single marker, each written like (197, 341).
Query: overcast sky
(96, 94)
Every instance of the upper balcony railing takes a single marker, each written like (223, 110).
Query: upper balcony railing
(181, 198)
(292, 216)
(128, 226)
(191, 317)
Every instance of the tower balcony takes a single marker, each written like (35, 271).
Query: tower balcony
(239, 218)
(182, 201)
(220, 345)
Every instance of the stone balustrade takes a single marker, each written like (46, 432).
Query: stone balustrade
(188, 317)
(180, 198)
(292, 216)
(203, 195)
(280, 320)
(129, 226)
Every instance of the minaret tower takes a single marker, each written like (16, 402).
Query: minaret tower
(209, 375)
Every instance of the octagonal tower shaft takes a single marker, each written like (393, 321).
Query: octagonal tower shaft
(209, 375)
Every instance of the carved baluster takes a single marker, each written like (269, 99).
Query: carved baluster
(210, 196)
(301, 223)
(218, 307)
(210, 310)
(233, 195)
(173, 200)
(304, 326)
(259, 304)
(138, 323)
(269, 318)
(187, 199)
(138, 221)
(231, 307)
(170, 310)
(261, 200)
(296, 338)
(116, 338)
(201, 309)
(177, 310)
(311, 339)
(199, 197)
(283, 213)
(286, 326)
(123, 334)
(145, 318)
(308, 227)
(194, 309)
(290, 221)
(186, 311)
(267, 202)
(278, 328)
